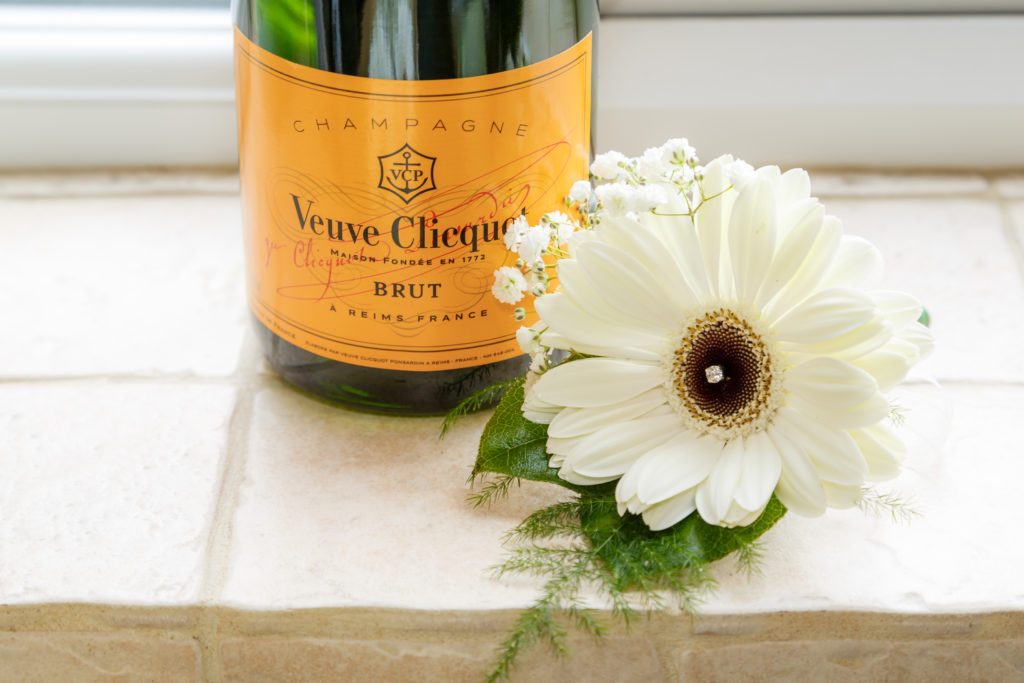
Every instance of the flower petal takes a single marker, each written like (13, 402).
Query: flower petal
(538, 416)
(611, 451)
(826, 315)
(888, 367)
(863, 340)
(574, 477)
(590, 382)
(921, 337)
(794, 187)
(671, 511)
(581, 421)
(561, 448)
(565, 317)
(761, 468)
(679, 236)
(559, 341)
(899, 308)
(863, 414)
(740, 516)
(808, 277)
(578, 286)
(675, 466)
(534, 409)
(858, 263)
(712, 220)
(834, 453)
(883, 451)
(752, 229)
(640, 242)
(800, 488)
(806, 224)
(842, 497)
(626, 284)
(830, 383)
(716, 493)
(625, 492)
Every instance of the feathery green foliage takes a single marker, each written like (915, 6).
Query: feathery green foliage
(892, 504)
(494, 489)
(483, 398)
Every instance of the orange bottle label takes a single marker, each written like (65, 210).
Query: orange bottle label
(374, 210)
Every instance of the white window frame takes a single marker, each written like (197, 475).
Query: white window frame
(116, 87)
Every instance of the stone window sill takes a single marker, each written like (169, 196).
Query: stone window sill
(172, 511)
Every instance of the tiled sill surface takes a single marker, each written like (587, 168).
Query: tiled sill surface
(171, 511)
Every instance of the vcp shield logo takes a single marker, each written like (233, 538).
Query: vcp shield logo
(406, 173)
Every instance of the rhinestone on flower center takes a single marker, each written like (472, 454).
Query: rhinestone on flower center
(723, 376)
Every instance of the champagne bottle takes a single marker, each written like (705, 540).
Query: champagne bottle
(385, 148)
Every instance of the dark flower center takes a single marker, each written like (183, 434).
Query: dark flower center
(723, 372)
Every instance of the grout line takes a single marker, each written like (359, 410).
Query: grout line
(217, 556)
(1011, 235)
(257, 381)
(126, 378)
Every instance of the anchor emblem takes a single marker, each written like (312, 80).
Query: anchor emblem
(406, 173)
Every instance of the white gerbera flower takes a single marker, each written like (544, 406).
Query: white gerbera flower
(731, 356)
(509, 285)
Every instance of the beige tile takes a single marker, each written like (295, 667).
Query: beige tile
(964, 481)
(344, 509)
(830, 184)
(116, 285)
(97, 658)
(291, 660)
(608, 659)
(935, 661)
(952, 255)
(1010, 185)
(108, 489)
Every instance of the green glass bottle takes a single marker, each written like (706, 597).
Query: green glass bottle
(370, 287)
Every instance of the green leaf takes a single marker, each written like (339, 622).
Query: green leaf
(636, 556)
(513, 445)
(925, 318)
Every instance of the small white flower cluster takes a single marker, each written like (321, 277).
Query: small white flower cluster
(663, 176)
(532, 243)
(529, 339)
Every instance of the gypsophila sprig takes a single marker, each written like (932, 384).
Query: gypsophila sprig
(710, 351)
